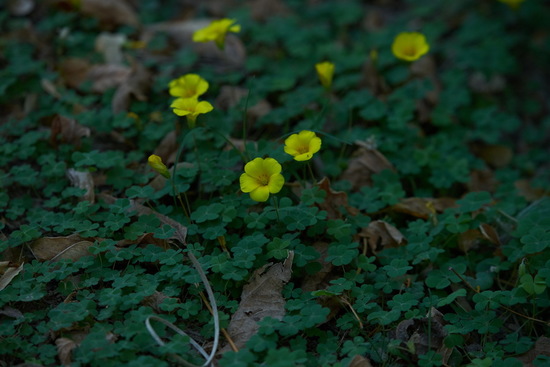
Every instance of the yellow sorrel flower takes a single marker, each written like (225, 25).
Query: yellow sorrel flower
(216, 31)
(156, 163)
(302, 146)
(262, 177)
(325, 71)
(188, 86)
(190, 107)
(409, 46)
(512, 3)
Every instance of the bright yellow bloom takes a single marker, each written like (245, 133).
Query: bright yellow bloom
(302, 146)
(190, 107)
(188, 86)
(156, 163)
(512, 3)
(262, 177)
(325, 71)
(216, 31)
(410, 46)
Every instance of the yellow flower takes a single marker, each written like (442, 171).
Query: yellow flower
(302, 146)
(188, 86)
(325, 71)
(512, 3)
(409, 46)
(216, 31)
(262, 177)
(156, 163)
(190, 107)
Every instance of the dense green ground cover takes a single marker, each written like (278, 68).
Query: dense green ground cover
(419, 234)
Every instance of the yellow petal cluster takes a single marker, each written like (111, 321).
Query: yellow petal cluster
(156, 163)
(262, 177)
(188, 86)
(410, 46)
(191, 108)
(216, 31)
(325, 71)
(302, 146)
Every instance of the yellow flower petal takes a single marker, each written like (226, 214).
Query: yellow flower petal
(248, 183)
(325, 72)
(156, 163)
(276, 183)
(410, 46)
(188, 86)
(203, 107)
(261, 194)
(302, 146)
(216, 31)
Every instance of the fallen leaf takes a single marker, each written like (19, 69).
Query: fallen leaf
(365, 162)
(136, 85)
(496, 155)
(422, 207)
(110, 12)
(20, 8)
(542, 347)
(58, 248)
(261, 10)
(65, 348)
(8, 272)
(260, 298)
(82, 180)
(105, 77)
(168, 147)
(316, 281)
(360, 361)
(381, 234)
(469, 239)
(67, 130)
(482, 181)
(425, 334)
(490, 234)
(334, 200)
(74, 71)
(110, 46)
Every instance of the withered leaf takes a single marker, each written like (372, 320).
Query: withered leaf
(260, 298)
(313, 282)
(57, 248)
(65, 348)
(82, 180)
(74, 71)
(364, 163)
(110, 45)
(334, 200)
(8, 272)
(383, 234)
(112, 12)
(360, 361)
(422, 207)
(107, 76)
(136, 85)
(67, 130)
(542, 347)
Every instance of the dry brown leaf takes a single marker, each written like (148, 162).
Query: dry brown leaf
(230, 96)
(490, 234)
(416, 332)
(316, 281)
(365, 162)
(20, 8)
(261, 10)
(136, 85)
(542, 347)
(82, 180)
(111, 12)
(360, 361)
(168, 147)
(74, 71)
(8, 272)
(496, 155)
(57, 248)
(104, 77)
(382, 234)
(422, 207)
(260, 298)
(334, 200)
(482, 181)
(110, 45)
(67, 130)
(469, 239)
(65, 348)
